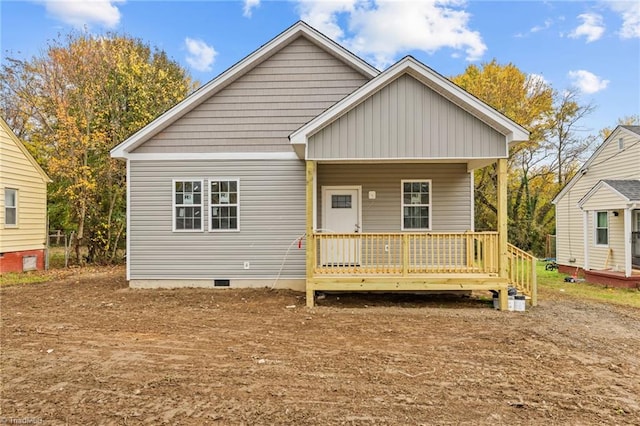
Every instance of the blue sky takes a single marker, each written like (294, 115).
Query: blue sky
(593, 46)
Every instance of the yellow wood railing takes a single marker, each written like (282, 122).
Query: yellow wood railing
(521, 267)
(405, 253)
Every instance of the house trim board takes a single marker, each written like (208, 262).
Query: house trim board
(128, 254)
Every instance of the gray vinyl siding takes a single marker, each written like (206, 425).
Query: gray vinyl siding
(272, 216)
(406, 119)
(258, 111)
(451, 196)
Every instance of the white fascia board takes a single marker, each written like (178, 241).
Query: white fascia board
(237, 70)
(404, 160)
(166, 156)
(587, 163)
(513, 131)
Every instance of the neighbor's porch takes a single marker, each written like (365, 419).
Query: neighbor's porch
(353, 260)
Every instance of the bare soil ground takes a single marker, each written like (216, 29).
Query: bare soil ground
(86, 349)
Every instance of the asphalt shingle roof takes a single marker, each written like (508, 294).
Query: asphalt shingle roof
(628, 188)
(634, 129)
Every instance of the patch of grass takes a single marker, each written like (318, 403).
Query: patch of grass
(553, 282)
(18, 278)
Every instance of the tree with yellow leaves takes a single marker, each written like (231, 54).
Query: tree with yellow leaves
(71, 105)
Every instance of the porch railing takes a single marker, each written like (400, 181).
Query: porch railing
(521, 267)
(406, 253)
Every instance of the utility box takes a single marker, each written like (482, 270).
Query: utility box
(29, 263)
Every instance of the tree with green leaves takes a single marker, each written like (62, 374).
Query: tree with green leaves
(73, 103)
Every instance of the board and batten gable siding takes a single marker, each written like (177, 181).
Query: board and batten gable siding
(259, 110)
(406, 119)
(451, 196)
(272, 216)
(610, 163)
(17, 172)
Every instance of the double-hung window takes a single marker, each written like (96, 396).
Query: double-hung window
(416, 205)
(10, 207)
(187, 205)
(225, 205)
(602, 228)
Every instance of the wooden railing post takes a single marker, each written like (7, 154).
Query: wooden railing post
(405, 254)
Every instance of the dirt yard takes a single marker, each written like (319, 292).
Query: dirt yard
(88, 350)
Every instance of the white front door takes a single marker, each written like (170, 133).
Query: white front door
(341, 215)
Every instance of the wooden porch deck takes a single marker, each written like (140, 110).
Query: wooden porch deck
(415, 262)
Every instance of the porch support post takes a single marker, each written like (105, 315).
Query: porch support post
(585, 234)
(502, 227)
(310, 247)
(627, 241)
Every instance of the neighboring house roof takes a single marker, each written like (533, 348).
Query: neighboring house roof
(435, 81)
(634, 129)
(24, 150)
(616, 132)
(628, 191)
(235, 72)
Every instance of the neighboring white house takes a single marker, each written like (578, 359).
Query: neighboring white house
(598, 213)
(302, 140)
(23, 206)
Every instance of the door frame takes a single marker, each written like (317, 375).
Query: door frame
(325, 189)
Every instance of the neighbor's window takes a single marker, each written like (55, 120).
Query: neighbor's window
(416, 204)
(10, 207)
(602, 228)
(225, 204)
(620, 144)
(187, 210)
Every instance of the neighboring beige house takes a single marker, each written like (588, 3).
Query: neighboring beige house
(302, 140)
(598, 214)
(23, 206)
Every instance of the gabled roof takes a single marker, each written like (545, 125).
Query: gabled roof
(24, 150)
(205, 92)
(635, 130)
(513, 132)
(628, 191)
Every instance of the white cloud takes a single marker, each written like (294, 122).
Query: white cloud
(630, 13)
(592, 27)
(547, 24)
(323, 15)
(382, 29)
(200, 55)
(248, 7)
(85, 12)
(587, 82)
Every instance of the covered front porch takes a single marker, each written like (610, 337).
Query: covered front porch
(390, 190)
(611, 227)
(342, 255)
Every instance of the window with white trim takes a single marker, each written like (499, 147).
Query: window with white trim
(10, 207)
(416, 205)
(602, 228)
(225, 205)
(187, 205)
